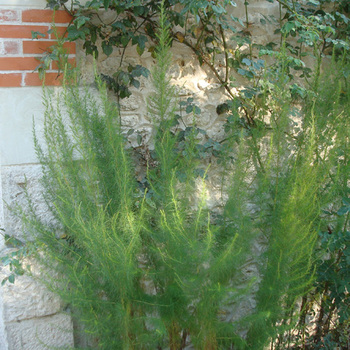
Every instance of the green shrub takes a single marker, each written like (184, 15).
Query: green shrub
(150, 267)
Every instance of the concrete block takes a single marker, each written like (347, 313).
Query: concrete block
(28, 299)
(41, 334)
(18, 107)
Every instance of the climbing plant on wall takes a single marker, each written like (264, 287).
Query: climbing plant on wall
(145, 266)
(222, 42)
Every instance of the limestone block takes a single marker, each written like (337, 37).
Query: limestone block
(41, 334)
(18, 107)
(130, 120)
(27, 299)
(25, 3)
(3, 337)
(15, 179)
(131, 103)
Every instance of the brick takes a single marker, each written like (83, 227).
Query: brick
(51, 79)
(61, 31)
(9, 16)
(10, 48)
(46, 16)
(39, 47)
(18, 63)
(16, 31)
(10, 79)
(71, 61)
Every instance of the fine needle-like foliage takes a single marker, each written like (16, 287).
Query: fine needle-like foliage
(154, 268)
(138, 276)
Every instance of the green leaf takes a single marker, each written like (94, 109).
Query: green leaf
(247, 61)
(125, 39)
(35, 35)
(135, 83)
(119, 25)
(197, 110)
(141, 41)
(245, 73)
(343, 210)
(346, 201)
(106, 4)
(288, 27)
(74, 33)
(150, 203)
(11, 278)
(6, 260)
(13, 241)
(123, 78)
(231, 62)
(199, 173)
(80, 21)
(138, 71)
(140, 50)
(189, 109)
(107, 48)
(314, 2)
(218, 9)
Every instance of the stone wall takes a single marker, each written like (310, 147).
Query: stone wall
(31, 317)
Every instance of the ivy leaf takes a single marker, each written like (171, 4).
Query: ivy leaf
(345, 208)
(6, 260)
(136, 83)
(181, 176)
(125, 40)
(245, 73)
(74, 33)
(80, 21)
(218, 9)
(288, 27)
(199, 173)
(139, 10)
(11, 278)
(150, 203)
(247, 61)
(138, 71)
(314, 2)
(11, 241)
(119, 25)
(35, 35)
(189, 109)
(90, 49)
(106, 48)
(141, 41)
(124, 78)
(140, 50)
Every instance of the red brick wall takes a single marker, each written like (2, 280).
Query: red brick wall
(20, 54)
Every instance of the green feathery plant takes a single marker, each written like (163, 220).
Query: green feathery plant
(331, 107)
(154, 267)
(138, 276)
